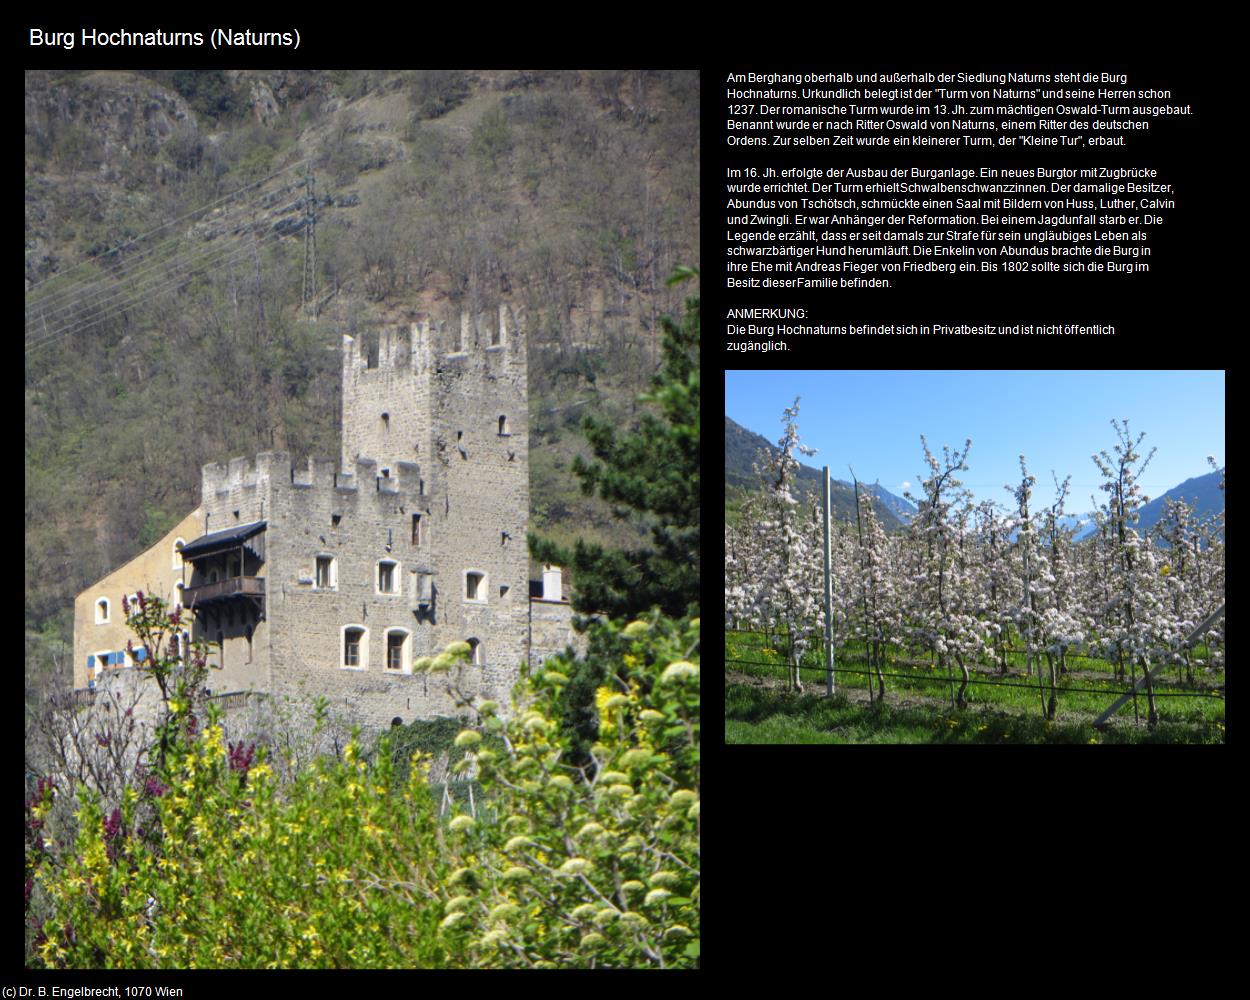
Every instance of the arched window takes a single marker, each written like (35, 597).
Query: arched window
(102, 611)
(388, 576)
(354, 648)
(178, 544)
(503, 425)
(398, 651)
(476, 654)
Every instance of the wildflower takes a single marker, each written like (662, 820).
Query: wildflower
(635, 628)
(679, 671)
(656, 896)
(592, 940)
(633, 758)
(574, 866)
(682, 797)
(505, 911)
(441, 664)
(461, 822)
(241, 759)
(452, 919)
(468, 738)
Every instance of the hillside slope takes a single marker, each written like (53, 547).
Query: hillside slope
(742, 448)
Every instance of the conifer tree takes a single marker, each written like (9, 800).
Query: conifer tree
(653, 471)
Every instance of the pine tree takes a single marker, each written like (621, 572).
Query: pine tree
(653, 471)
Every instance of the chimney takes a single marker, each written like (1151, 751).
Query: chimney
(551, 584)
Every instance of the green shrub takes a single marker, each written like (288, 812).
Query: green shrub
(211, 862)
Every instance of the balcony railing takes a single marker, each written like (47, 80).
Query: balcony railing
(238, 586)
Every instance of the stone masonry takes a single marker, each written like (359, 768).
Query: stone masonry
(334, 578)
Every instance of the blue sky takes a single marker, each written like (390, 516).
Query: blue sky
(1057, 419)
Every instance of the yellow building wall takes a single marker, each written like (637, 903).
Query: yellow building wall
(156, 571)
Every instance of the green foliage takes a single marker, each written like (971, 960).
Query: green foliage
(594, 866)
(211, 862)
(209, 92)
(434, 92)
(653, 471)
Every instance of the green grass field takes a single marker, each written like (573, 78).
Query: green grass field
(918, 706)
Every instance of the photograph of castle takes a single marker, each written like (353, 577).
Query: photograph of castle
(362, 516)
(331, 579)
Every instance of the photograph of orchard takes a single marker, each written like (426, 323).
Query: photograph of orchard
(1055, 575)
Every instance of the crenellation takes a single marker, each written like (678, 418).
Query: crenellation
(360, 582)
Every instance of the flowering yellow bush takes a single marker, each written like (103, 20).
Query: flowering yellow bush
(212, 863)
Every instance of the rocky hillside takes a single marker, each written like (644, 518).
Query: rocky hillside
(175, 314)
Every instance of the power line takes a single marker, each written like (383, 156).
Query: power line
(136, 295)
(105, 287)
(165, 225)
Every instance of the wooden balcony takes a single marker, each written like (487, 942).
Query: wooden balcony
(224, 590)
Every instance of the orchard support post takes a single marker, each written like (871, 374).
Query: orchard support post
(828, 597)
(1119, 702)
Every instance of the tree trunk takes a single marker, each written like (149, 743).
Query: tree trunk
(1152, 719)
(963, 688)
(1050, 708)
(880, 675)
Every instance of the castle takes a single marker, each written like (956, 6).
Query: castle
(334, 578)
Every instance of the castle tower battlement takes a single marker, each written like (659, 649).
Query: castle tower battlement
(414, 538)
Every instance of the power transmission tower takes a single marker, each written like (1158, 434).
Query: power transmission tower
(310, 247)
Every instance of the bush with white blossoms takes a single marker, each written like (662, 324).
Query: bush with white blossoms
(592, 866)
(965, 583)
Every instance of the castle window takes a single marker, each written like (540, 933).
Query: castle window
(503, 426)
(397, 651)
(335, 519)
(102, 611)
(176, 601)
(475, 586)
(388, 575)
(386, 421)
(178, 544)
(221, 651)
(250, 633)
(355, 647)
(327, 573)
(476, 655)
(416, 529)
